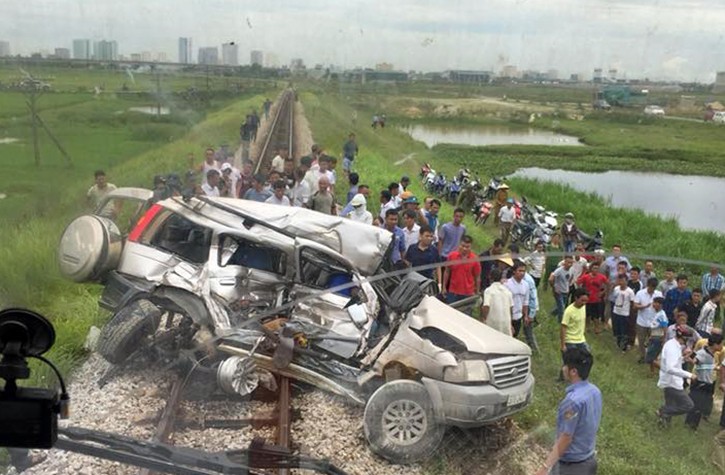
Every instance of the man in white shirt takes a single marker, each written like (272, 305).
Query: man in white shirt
(300, 192)
(313, 175)
(520, 293)
(410, 228)
(231, 176)
(645, 314)
(623, 298)
(386, 203)
(278, 197)
(278, 160)
(506, 217)
(672, 376)
(497, 305)
(210, 186)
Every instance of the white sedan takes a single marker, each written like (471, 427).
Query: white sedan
(654, 110)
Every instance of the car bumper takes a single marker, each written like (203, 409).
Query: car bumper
(472, 406)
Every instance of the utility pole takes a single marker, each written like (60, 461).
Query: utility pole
(158, 94)
(32, 104)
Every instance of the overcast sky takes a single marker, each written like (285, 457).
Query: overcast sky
(659, 39)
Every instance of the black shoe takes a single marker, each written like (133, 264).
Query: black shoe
(640, 361)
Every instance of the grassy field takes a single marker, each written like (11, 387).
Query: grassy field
(629, 441)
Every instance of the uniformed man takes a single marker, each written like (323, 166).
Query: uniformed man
(578, 420)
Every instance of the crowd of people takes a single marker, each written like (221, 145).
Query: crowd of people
(671, 326)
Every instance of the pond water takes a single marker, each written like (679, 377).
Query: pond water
(487, 135)
(153, 110)
(8, 140)
(695, 201)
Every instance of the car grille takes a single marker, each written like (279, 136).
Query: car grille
(509, 371)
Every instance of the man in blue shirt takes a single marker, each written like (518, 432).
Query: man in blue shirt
(423, 253)
(450, 234)
(577, 422)
(391, 224)
(677, 297)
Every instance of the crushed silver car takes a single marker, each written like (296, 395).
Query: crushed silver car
(293, 292)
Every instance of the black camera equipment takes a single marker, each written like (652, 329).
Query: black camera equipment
(28, 416)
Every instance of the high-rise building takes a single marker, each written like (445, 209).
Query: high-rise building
(256, 57)
(297, 64)
(135, 57)
(384, 67)
(271, 60)
(4, 48)
(208, 55)
(230, 54)
(105, 50)
(61, 53)
(597, 76)
(82, 49)
(185, 50)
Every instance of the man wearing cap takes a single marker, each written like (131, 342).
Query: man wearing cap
(577, 421)
(674, 354)
(502, 194)
(278, 197)
(506, 217)
(359, 212)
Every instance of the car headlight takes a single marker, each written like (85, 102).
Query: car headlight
(467, 371)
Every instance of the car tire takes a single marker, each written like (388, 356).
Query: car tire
(122, 334)
(400, 424)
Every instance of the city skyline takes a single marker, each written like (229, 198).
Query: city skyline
(664, 39)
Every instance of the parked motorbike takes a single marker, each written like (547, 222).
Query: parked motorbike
(481, 210)
(592, 242)
(453, 189)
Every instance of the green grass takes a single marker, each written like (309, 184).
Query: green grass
(629, 442)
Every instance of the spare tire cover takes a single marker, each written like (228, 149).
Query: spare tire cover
(89, 248)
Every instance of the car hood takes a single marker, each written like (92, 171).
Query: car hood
(478, 337)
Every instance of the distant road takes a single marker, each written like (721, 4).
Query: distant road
(685, 119)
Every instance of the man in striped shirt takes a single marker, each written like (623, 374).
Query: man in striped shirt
(713, 280)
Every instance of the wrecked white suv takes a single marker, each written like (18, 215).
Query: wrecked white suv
(301, 294)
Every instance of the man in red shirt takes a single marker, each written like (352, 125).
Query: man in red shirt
(461, 280)
(595, 284)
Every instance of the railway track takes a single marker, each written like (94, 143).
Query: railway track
(281, 133)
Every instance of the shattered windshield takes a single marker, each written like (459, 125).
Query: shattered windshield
(362, 237)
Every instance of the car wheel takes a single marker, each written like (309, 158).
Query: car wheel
(399, 422)
(121, 336)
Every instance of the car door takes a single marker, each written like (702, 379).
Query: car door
(319, 269)
(244, 268)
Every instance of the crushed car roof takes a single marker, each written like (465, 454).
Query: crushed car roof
(363, 245)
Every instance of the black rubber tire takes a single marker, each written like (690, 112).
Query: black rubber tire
(124, 332)
(381, 441)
